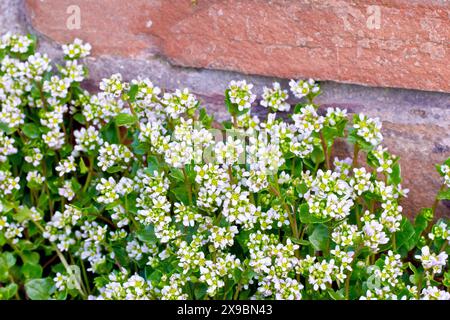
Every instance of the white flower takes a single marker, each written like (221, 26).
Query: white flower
(179, 102)
(275, 98)
(431, 260)
(445, 169)
(114, 85)
(66, 191)
(302, 88)
(54, 139)
(240, 93)
(434, 293)
(113, 155)
(73, 71)
(87, 139)
(58, 88)
(107, 189)
(77, 49)
(35, 176)
(368, 129)
(374, 236)
(6, 146)
(34, 157)
(320, 274)
(66, 166)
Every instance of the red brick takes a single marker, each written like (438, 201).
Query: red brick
(323, 39)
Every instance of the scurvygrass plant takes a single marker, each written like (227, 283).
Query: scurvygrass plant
(136, 193)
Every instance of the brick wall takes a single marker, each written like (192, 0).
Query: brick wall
(374, 46)
(396, 43)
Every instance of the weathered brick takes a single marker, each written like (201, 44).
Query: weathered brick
(416, 124)
(396, 43)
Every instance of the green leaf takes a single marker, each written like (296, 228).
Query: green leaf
(181, 194)
(331, 133)
(140, 148)
(155, 276)
(353, 138)
(7, 260)
(230, 106)
(76, 186)
(43, 201)
(35, 92)
(79, 118)
(395, 176)
(298, 107)
(372, 160)
(8, 292)
(227, 125)
(308, 218)
(24, 213)
(147, 234)
(152, 165)
(405, 233)
(300, 242)
(422, 220)
(444, 194)
(446, 281)
(317, 156)
(101, 281)
(319, 237)
(177, 174)
(114, 169)
(125, 119)
(302, 188)
(31, 257)
(336, 295)
(39, 289)
(31, 270)
(83, 168)
(200, 290)
(31, 130)
(121, 254)
(132, 92)
(416, 277)
(6, 129)
(242, 239)
(205, 118)
(66, 150)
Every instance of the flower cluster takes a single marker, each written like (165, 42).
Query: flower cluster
(129, 193)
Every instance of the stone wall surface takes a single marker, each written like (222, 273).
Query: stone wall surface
(206, 45)
(396, 43)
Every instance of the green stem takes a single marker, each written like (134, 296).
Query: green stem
(230, 174)
(349, 273)
(293, 167)
(325, 151)
(187, 183)
(90, 173)
(394, 242)
(355, 156)
(436, 200)
(46, 190)
(119, 138)
(238, 290)
(347, 286)
(69, 271)
(444, 245)
(85, 277)
(64, 262)
(235, 124)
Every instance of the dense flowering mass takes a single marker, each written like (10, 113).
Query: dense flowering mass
(129, 193)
